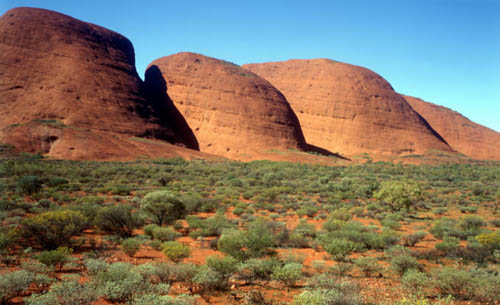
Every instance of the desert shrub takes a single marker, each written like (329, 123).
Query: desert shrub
(257, 269)
(153, 299)
(175, 250)
(449, 246)
(130, 246)
(445, 227)
(402, 263)
(485, 285)
(232, 242)
(324, 289)
(56, 181)
(489, 240)
(148, 230)
(369, 265)
(258, 238)
(341, 268)
(412, 239)
(399, 194)
(208, 279)
(165, 234)
(212, 226)
(15, 282)
(225, 266)
(95, 266)
(29, 185)
(4, 242)
(121, 281)
(68, 292)
(340, 248)
(451, 281)
(53, 229)
(471, 225)
(56, 257)
(117, 219)
(164, 207)
(415, 281)
(289, 274)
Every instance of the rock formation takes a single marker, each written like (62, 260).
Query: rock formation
(349, 109)
(69, 89)
(231, 111)
(462, 134)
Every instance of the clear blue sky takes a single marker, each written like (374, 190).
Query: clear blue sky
(443, 51)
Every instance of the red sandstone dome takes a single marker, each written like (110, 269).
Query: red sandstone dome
(462, 134)
(350, 109)
(69, 89)
(231, 111)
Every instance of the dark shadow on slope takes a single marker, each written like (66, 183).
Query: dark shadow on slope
(321, 151)
(164, 109)
(309, 147)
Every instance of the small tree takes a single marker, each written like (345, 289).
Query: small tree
(400, 194)
(116, 219)
(163, 206)
(28, 185)
(53, 229)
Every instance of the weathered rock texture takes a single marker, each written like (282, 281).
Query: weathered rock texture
(349, 109)
(231, 111)
(462, 134)
(70, 89)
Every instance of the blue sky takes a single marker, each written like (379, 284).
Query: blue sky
(443, 51)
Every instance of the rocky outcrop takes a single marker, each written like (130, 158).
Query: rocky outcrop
(231, 111)
(349, 109)
(62, 78)
(462, 134)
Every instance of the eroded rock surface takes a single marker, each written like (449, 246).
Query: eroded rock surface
(349, 109)
(231, 111)
(462, 134)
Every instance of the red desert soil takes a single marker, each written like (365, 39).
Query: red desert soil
(462, 134)
(69, 89)
(349, 109)
(231, 111)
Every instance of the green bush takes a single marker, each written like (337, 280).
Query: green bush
(175, 250)
(488, 240)
(324, 289)
(53, 229)
(95, 266)
(233, 243)
(451, 281)
(412, 239)
(117, 219)
(164, 207)
(130, 246)
(67, 292)
(399, 194)
(257, 269)
(415, 281)
(449, 246)
(289, 274)
(55, 257)
(165, 234)
(225, 266)
(15, 282)
(402, 263)
(208, 278)
(340, 248)
(29, 185)
(369, 265)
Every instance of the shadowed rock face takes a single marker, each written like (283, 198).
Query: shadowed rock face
(349, 109)
(462, 134)
(61, 78)
(231, 111)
